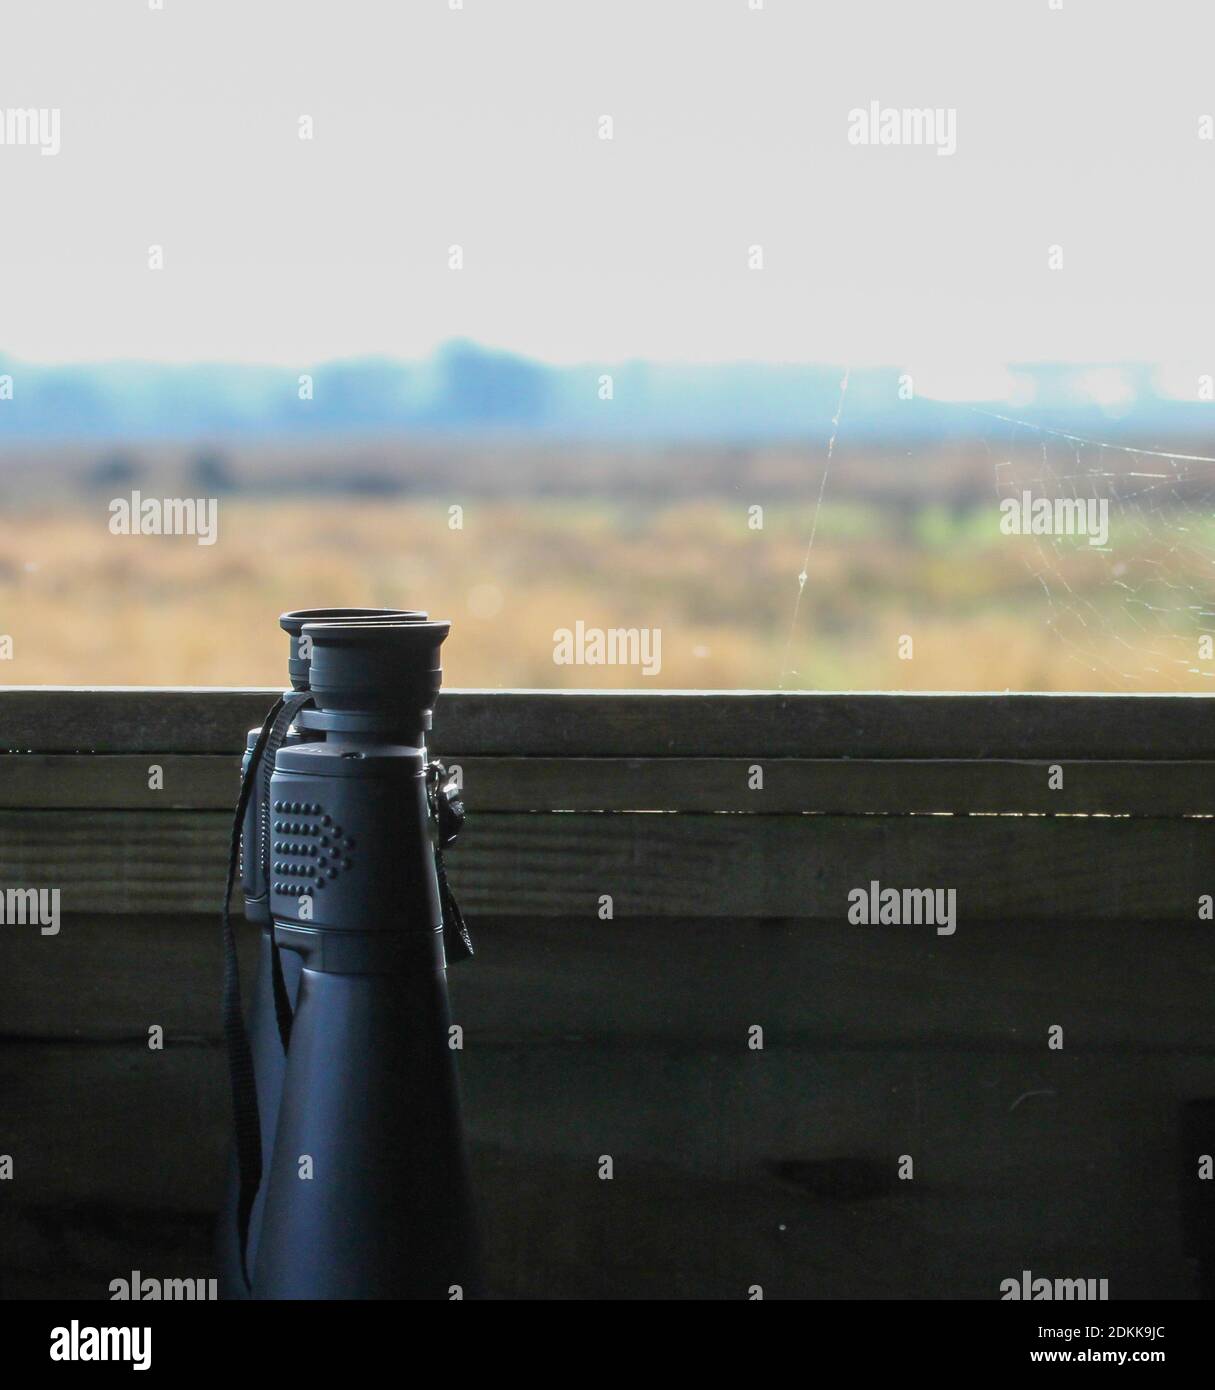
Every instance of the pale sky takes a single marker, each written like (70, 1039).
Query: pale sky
(1077, 127)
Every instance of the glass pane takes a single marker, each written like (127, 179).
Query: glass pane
(742, 346)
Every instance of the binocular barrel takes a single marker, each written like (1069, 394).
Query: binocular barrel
(364, 1190)
(261, 1024)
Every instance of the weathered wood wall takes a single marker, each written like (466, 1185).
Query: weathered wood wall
(629, 1037)
(732, 1166)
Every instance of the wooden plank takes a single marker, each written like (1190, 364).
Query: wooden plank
(686, 724)
(733, 1168)
(115, 719)
(699, 984)
(838, 786)
(120, 781)
(811, 725)
(805, 866)
(656, 865)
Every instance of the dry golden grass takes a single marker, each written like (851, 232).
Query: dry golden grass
(985, 612)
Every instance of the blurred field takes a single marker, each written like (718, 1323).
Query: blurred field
(984, 611)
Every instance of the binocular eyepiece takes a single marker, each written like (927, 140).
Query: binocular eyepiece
(376, 678)
(292, 624)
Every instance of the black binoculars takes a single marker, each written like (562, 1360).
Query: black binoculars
(349, 1177)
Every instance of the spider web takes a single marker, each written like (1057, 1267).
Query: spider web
(1131, 612)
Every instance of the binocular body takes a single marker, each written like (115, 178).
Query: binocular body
(364, 1189)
